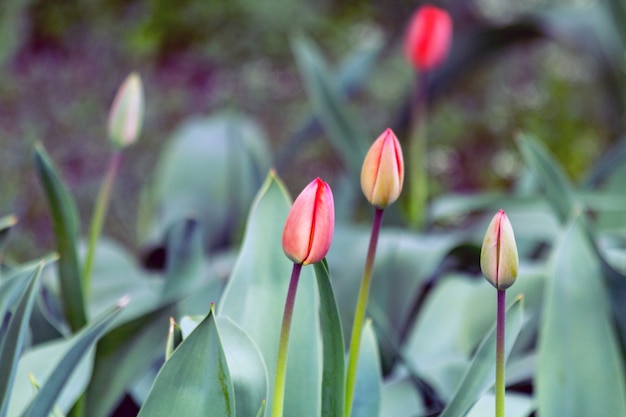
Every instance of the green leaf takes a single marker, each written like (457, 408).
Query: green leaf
(210, 170)
(195, 381)
(254, 300)
(184, 257)
(12, 287)
(246, 366)
(65, 224)
(6, 224)
(558, 189)
(136, 343)
(401, 399)
(368, 386)
(261, 409)
(174, 338)
(14, 339)
(329, 106)
(81, 344)
(333, 373)
(124, 354)
(38, 362)
(577, 339)
(481, 374)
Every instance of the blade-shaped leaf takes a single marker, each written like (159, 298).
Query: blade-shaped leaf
(368, 386)
(333, 374)
(84, 341)
(329, 106)
(247, 370)
(577, 337)
(481, 374)
(184, 257)
(13, 341)
(195, 381)
(245, 363)
(65, 224)
(6, 224)
(259, 284)
(558, 189)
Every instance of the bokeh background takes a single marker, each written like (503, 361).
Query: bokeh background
(554, 68)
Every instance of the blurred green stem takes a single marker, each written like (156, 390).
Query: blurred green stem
(283, 345)
(500, 321)
(100, 209)
(417, 161)
(361, 307)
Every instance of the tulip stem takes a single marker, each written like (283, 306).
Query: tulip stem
(100, 209)
(283, 345)
(500, 321)
(417, 149)
(359, 315)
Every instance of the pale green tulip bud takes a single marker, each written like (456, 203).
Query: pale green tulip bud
(498, 256)
(126, 114)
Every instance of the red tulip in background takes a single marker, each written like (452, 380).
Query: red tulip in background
(428, 37)
(310, 224)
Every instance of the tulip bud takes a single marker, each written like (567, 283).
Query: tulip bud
(310, 224)
(498, 256)
(382, 174)
(126, 114)
(428, 37)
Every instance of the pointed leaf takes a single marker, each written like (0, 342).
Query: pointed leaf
(246, 366)
(13, 341)
(481, 374)
(6, 224)
(184, 257)
(577, 339)
(333, 374)
(46, 398)
(368, 386)
(195, 381)
(65, 224)
(329, 106)
(558, 190)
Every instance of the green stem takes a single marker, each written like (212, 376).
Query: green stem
(100, 209)
(417, 150)
(359, 314)
(283, 345)
(500, 321)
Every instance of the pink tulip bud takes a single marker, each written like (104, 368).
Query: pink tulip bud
(126, 114)
(428, 37)
(498, 256)
(382, 174)
(310, 224)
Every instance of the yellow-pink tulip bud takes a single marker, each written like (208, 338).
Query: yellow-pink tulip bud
(126, 114)
(382, 174)
(498, 256)
(310, 224)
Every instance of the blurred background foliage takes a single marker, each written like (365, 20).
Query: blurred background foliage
(549, 67)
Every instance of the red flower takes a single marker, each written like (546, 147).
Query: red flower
(310, 224)
(428, 37)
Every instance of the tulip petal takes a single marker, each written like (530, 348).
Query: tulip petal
(310, 224)
(498, 256)
(428, 37)
(382, 174)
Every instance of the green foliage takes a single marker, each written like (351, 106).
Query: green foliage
(576, 338)
(429, 345)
